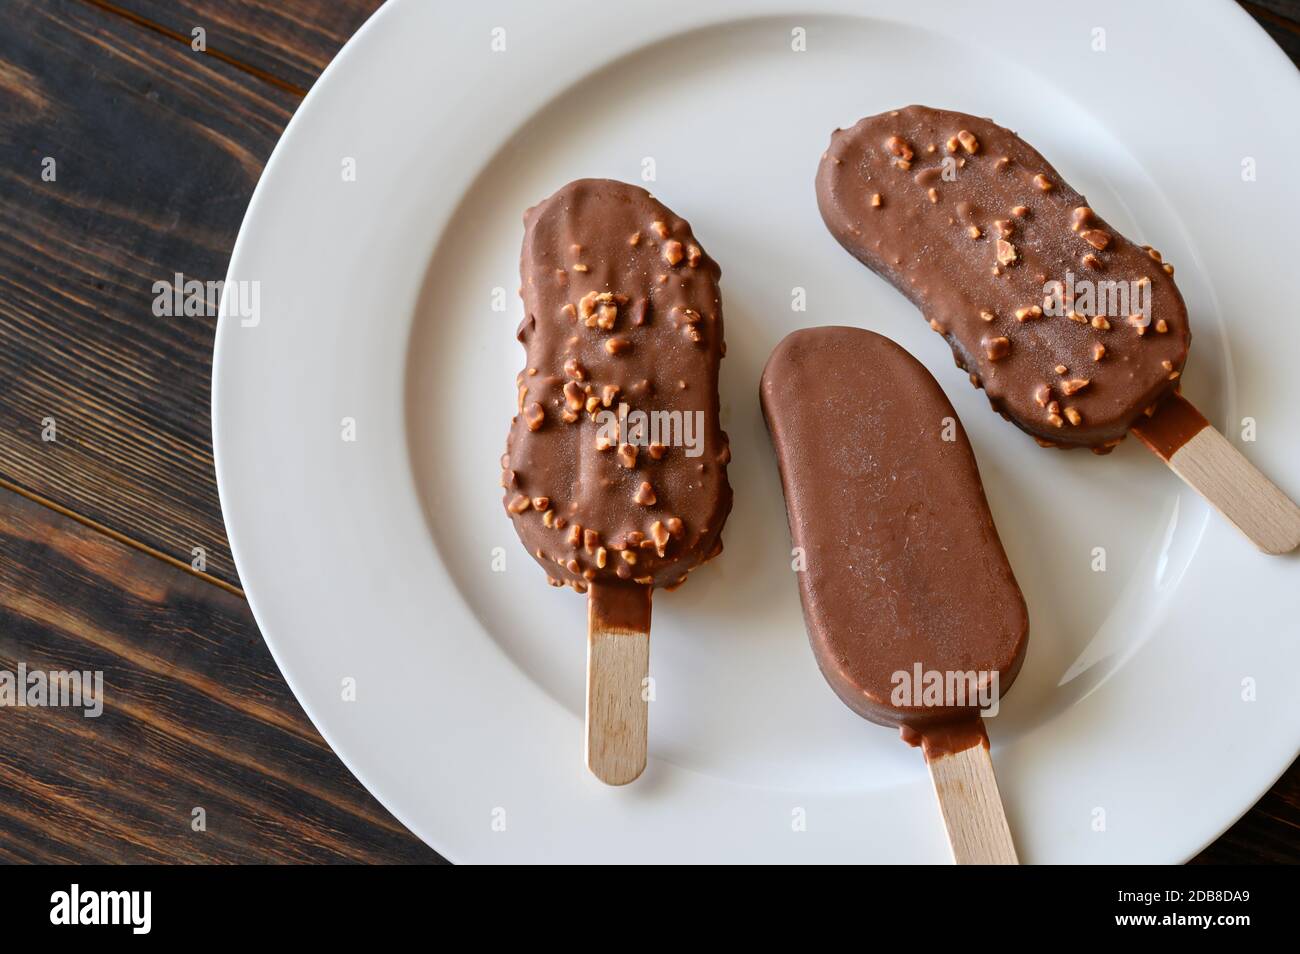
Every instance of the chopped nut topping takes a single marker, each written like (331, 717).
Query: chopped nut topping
(997, 348)
(635, 239)
(656, 451)
(627, 455)
(617, 345)
(1139, 323)
(573, 396)
(1173, 375)
(674, 525)
(548, 518)
(968, 141)
(580, 267)
(1098, 351)
(590, 540)
(600, 309)
(974, 231)
(1073, 416)
(661, 230)
(574, 369)
(1019, 211)
(899, 148)
(534, 416)
(876, 200)
(1061, 369)
(569, 311)
(604, 442)
(1097, 238)
(1075, 316)
(1100, 323)
(541, 503)
(933, 193)
(1092, 261)
(1169, 269)
(1075, 385)
(1055, 420)
(602, 557)
(1080, 218)
(568, 416)
(1155, 254)
(693, 255)
(574, 538)
(1042, 394)
(608, 393)
(1024, 314)
(1167, 365)
(673, 252)
(519, 504)
(903, 164)
(659, 536)
(628, 557)
(987, 315)
(1006, 252)
(593, 404)
(1005, 227)
(1043, 182)
(1162, 326)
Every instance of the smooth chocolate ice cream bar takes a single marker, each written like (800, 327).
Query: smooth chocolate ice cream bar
(904, 573)
(616, 467)
(1073, 331)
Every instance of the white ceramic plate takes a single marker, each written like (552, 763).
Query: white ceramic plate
(1159, 697)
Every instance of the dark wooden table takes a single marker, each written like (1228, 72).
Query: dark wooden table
(156, 148)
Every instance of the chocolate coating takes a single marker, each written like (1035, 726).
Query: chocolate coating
(621, 306)
(903, 563)
(989, 241)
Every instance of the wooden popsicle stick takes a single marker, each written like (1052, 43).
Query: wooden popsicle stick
(962, 773)
(618, 662)
(1181, 436)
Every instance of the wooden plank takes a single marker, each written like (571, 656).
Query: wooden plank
(195, 715)
(1267, 834)
(1281, 20)
(291, 41)
(156, 150)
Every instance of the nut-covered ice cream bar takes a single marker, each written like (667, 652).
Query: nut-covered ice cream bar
(616, 467)
(1073, 330)
(904, 573)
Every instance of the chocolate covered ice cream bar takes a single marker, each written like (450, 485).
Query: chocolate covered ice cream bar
(912, 609)
(615, 471)
(1077, 334)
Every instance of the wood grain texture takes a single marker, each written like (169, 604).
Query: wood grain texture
(1281, 21)
(971, 805)
(618, 663)
(1267, 834)
(290, 40)
(1208, 462)
(195, 715)
(157, 151)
